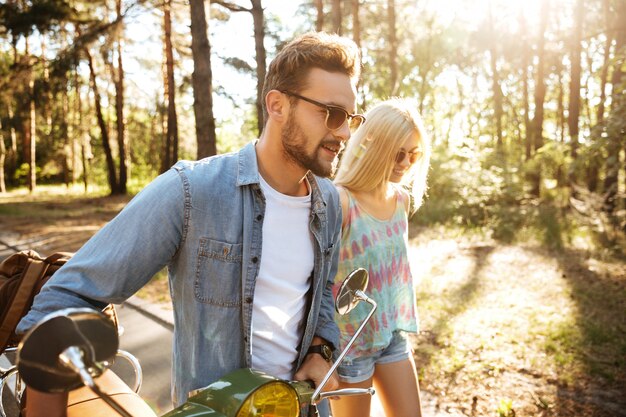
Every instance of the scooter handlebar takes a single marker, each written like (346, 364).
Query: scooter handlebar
(344, 392)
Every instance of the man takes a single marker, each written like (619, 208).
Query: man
(250, 238)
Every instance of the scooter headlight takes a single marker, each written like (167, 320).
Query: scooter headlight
(274, 399)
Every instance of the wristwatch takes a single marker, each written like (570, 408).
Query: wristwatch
(325, 350)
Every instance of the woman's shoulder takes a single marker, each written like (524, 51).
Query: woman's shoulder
(404, 196)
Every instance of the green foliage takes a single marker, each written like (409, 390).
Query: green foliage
(39, 14)
(479, 188)
(21, 174)
(505, 408)
(465, 190)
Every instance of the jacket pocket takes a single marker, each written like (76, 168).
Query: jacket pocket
(218, 273)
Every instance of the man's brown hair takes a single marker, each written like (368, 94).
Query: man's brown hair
(290, 68)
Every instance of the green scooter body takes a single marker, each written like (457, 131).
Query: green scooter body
(224, 397)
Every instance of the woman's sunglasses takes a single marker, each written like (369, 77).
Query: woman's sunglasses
(335, 116)
(413, 156)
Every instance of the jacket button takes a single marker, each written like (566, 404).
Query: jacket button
(259, 217)
(255, 260)
(248, 300)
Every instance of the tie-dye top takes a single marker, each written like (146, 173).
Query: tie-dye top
(379, 246)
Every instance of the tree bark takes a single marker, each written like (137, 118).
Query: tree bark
(593, 172)
(540, 93)
(3, 152)
(526, 96)
(497, 91)
(201, 80)
(356, 37)
(319, 16)
(170, 154)
(393, 47)
(336, 16)
(119, 107)
(112, 176)
(80, 135)
(574, 91)
(560, 105)
(260, 55)
(618, 112)
(32, 128)
(604, 75)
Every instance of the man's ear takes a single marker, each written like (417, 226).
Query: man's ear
(277, 105)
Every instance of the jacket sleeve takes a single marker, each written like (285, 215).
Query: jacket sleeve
(122, 256)
(326, 326)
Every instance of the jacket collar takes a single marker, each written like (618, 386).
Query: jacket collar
(248, 173)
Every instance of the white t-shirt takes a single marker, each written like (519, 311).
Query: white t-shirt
(280, 294)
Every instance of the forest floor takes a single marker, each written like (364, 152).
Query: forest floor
(506, 329)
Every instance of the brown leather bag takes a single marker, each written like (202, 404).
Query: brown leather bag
(21, 277)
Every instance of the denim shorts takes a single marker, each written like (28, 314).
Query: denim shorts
(362, 368)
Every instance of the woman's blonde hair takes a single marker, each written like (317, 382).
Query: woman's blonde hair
(371, 151)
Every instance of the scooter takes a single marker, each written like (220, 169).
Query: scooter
(81, 344)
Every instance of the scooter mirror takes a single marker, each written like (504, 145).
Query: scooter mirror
(348, 296)
(94, 336)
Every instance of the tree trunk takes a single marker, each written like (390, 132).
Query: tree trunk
(497, 91)
(393, 47)
(540, 93)
(112, 177)
(119, 107)
(356, 36)
(32, 155)
(67, 135)
(336, 17)
(594, 162)
(319, 16)
(3, 152)
(170, 154)
(560, 105)
(28, 124)
(260, 55)
(574, 90)
(615, 131)
(201, 80)
(604, 75)
(526, 96)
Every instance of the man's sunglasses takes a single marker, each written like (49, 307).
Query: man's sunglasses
(413, 156)
(335, 116)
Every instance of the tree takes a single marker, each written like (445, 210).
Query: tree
(525, 88)
(202, 79)
(574, 91)
(594, 161)
(120, 187)
(616, 125)
(258, 20)
(104, 131)
(319, 19)
(540, 93)
(495, 79)
(393, 47)
(3, 153)
(170, 151)
(336, 17)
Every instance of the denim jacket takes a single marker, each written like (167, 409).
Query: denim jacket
(203, 220)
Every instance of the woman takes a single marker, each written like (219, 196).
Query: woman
(381, 177)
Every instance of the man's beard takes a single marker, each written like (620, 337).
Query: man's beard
(294, 143)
